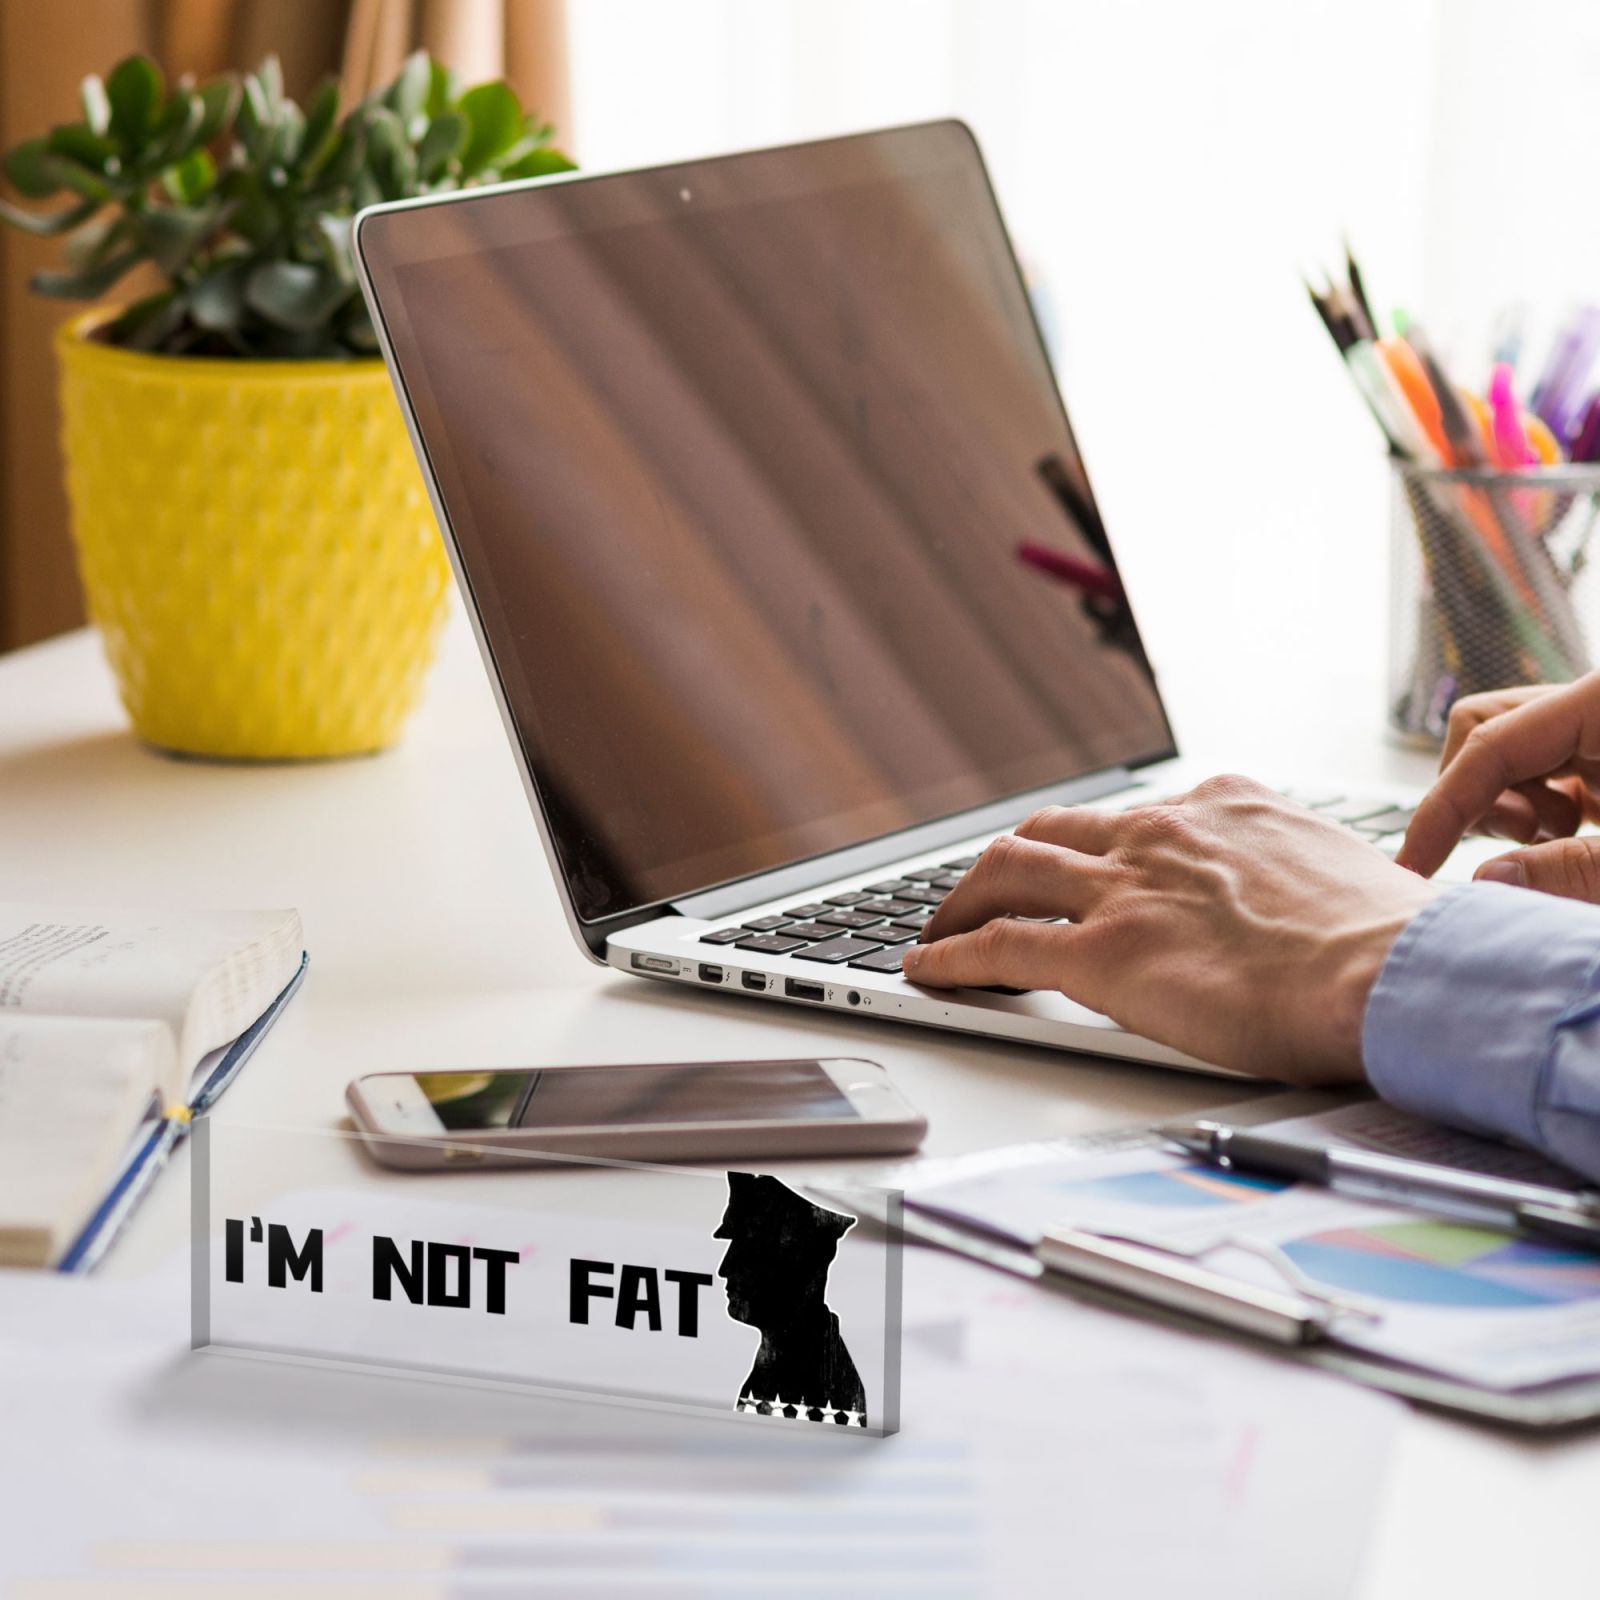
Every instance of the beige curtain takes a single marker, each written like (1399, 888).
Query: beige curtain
(46, 48)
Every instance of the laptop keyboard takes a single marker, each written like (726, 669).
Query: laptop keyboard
(866, 927)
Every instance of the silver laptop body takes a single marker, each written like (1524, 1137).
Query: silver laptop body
(781, 555)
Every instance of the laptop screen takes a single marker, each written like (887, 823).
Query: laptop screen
(763, 492)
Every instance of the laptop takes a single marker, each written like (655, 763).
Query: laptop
(782, 557)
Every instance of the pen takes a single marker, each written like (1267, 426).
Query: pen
(1510, 438)
(1084, 576)
(1068, 1256)
(1165, 1280)
(1529, 1208)
(1358, 291)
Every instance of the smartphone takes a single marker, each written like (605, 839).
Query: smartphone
(672, 1111)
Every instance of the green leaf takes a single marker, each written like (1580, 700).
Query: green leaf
(177, 133)
(252, 214)
(192, 179)
(390, 159)
(321, 131)
(408, 94)
(288, 132)
(93, 242)
(86, 285)
(86, 148)
(219, 99)
(31, 171)
(96, 107)
(255, 117)
(349, 152)
(51, 223)
(496, 120)
(293, 295)
(445, 139)
(335, 236)
(134, 90)
(539, 164)
(81, 180)
(171, 234)
(444, 89)
(216, 301)
(147, 324)
(270, 76)
(364, 191)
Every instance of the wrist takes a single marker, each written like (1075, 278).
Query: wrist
(1357, 956)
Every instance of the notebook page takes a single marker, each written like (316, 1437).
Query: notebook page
(207, 974)
(71, 1092)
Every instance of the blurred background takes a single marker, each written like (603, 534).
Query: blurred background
(1169, 172)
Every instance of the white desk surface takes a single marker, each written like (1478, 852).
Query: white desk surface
(436, 940)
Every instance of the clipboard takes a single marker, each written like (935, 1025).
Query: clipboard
(1546, 1408)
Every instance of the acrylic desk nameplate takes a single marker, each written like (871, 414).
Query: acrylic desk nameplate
(692, 1289)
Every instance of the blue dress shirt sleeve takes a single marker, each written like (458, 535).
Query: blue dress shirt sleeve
(1486, 1015)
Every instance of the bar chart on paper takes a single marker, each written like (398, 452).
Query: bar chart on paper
(1446, 1264)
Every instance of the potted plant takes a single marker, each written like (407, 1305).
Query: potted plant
(251, 526)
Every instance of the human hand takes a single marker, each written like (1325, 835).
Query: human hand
(1521, 764)
(1231, 924)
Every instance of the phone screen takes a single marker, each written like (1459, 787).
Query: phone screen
(575, 1097)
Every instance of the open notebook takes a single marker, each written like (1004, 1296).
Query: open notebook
(114, 1026)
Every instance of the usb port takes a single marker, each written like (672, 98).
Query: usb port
(753, 980)
(709, 973)
(799, 989)
(643, 963)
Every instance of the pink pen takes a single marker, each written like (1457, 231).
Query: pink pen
(1511, 445)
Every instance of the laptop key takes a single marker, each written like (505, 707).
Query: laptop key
(837, 950)
(847, 899)
(851, 919)
(1354, 810)
(723, 936)
(926, 874)
(889, 886)
(814, 908)
(925, 896)
(1395, 821)
(770, 944)
(1314, 799)
(965, 864)
(879, 961)
(768, 924)
(894, 935)
(887, 908)
(810, 932)
(913, 920)
(948, 881)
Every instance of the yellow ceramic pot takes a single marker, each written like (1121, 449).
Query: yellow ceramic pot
(256, 546)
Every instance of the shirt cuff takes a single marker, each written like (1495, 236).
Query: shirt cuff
(1463, 1016)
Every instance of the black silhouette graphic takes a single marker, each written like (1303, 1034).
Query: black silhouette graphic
(780, 1247)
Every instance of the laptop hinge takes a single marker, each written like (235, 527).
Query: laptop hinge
(861, 858)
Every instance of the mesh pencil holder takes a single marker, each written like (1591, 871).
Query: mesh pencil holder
(1489, 586)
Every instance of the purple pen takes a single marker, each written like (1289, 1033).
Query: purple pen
(1560, 399)
(1586, 447)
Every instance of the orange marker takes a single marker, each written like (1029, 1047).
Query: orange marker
(1408, 374)
(1542, 440)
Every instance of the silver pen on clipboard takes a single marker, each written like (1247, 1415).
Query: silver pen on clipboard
(1540, 1212)
(1136, 1272)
